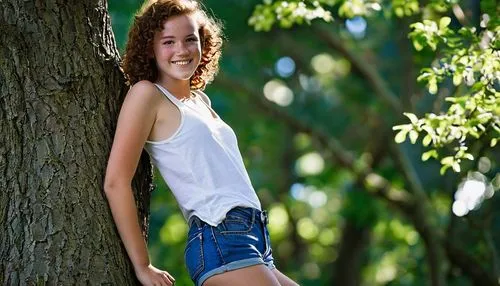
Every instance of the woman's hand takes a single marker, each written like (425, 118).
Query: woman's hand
(152, 276)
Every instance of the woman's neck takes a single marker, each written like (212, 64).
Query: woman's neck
(179, 89)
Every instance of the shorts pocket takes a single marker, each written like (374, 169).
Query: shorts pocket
(236, 225)
(193, 255)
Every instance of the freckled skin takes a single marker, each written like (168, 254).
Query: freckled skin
(179, 40)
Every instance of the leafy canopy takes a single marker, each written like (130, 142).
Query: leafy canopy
(466, 57)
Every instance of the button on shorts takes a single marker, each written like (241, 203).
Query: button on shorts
(240, 240)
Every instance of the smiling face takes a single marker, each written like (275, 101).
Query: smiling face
(177, 50)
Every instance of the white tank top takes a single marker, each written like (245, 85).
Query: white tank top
(201, 163)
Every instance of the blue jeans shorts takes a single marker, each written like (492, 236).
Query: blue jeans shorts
(240, 240)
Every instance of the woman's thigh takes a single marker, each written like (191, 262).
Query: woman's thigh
(252, 275)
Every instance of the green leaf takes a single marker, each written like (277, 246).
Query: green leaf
(401, 136)
(400, 127)
(456, 167)
(413, 136)
(444, 22)
(427, 140)
(431, 153)
(432, 43)
(493, 142)
(419, 43)
(417, 26)
(443, 169)
(413, 118)
(433, 88)
(457, 79)
(448, 160)
(399, 12)
(468, 156)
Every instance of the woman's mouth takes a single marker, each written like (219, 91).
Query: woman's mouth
(182, 62)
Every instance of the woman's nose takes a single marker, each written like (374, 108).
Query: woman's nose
(182, 48)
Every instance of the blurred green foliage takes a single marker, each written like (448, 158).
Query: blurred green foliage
(313, 106)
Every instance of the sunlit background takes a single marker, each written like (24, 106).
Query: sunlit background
(273, 84)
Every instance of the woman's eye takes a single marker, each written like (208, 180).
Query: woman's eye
(168, 42)
(192, 40)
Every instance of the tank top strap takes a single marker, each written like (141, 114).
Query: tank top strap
(169, 95)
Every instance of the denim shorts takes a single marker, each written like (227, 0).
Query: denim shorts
(240, 240)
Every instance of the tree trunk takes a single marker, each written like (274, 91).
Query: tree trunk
(60, 92)
(352, 250)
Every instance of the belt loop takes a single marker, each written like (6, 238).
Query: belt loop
(195, 220)
(264, 218)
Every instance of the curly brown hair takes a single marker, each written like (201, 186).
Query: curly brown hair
(137, 63)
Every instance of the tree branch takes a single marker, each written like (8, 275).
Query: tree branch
(468, 265)
(373, 182)
(460, 15)
(373, 78)
(418, 213)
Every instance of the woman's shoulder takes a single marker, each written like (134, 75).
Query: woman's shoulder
(145, 91)
(144, 87)
(143, 94)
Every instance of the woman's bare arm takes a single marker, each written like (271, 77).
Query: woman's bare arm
(137, 117)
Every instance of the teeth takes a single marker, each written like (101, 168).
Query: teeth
(181, 62)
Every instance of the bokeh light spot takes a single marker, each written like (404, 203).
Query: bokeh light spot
(311, 270)
(301, 141)
(327, 237)
(309, 194)
(285, 66)
(356, 26)
(277, 92)
(386, 274)
(307, 229)
(317, 199)
(310, 164)
(411, 237)
(459, 208)
(323, 63)
(174, 230)
(484, 165)
(278, 221)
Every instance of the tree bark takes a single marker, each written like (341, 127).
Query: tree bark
(60, 92)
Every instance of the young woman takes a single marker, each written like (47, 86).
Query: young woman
(172, 53)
